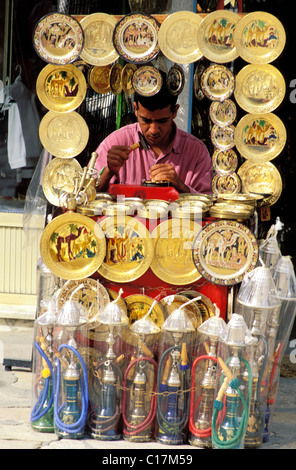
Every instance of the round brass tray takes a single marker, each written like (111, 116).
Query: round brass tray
(172, 261)
(226, 184)
(147, 80)
(115, 79)
(205, 305)
(61, 88)
(173, 302)
(64, 135)
(262, 179)
(259, 37)
(225, 251)
(127, 78)
(223, 137)
(224, 161)
(72, 246)
(138, 306)
(260, 137)
(129, 249)
(217, 82)
(98, 45)
(215, 38)
(259, 88)
(175, 79)
(99, 78)
(178, 37)
(59, 175)
(223, 113)
(58, 38)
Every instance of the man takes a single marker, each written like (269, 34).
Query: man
(172, 155)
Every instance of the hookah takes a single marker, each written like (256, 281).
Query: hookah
(202, 398)
(230, 433)
(137, 411)
(71, 396)
(173, 379)
(103, 419)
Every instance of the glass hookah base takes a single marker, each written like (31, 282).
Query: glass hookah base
(42, 426)
(205, 443)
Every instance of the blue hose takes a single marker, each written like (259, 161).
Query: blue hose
(38, 411)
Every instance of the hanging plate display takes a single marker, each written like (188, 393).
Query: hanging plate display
(225, 251)
(72, 246)
(261, 178)
(259, 37)
(135, 38)
(115, 79)
(173, 302)
(139, 305)
(147, 80)
(177, 37)
(59, 175)
(198, 93)
(58, 38)
(224, 161)
(127, 78)
(229, 184)
(64, 135)
(217, 82)
(98, 46)
(205, 305)
(61, 88)
(172, 260)
(99, 78)
(260, 137)
(223, 137)
(215, 38)
(223, 113)
(259, 88)
(129, 249)
(175, 79)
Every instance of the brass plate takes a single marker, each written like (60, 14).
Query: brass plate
(226, 184)
(127, 78)
(223, 113)
(58, 38)
(225, 251)
(64, 135)
(147, 80)
(205, 305)
(61, 88)
(215, 38)
(129, 249)
(259, 88)
(261, 178)
(230, 210)
(259, 37)
(172, 261)
(72, 246)
(223, 137)
(217, 82)
(173, 302)
(115, 79)
(135, 38)
(137, 307)
(224, 161)
(99, 78)
(177, 37)
(175, 79)
(260, 137)
(98, 43)
(59, 175)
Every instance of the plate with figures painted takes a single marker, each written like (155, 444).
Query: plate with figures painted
(226, 184)
(217, 82)
(175, 79)
(223, 113)
(99, 78)
(139, 305)
(223, 137)
(224, 161)
(60, 175)
(147, 80)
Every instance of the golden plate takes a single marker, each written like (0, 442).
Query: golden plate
(172, 261)
(173, 302)
(115, 79)
(98, 43)
(205, 305)
(99, 78)
(61, 88)
(64, 135)
(259, 37)
(215, 38)
(217, 82)
(135, 38)
(223, 113)
(59, 175)
(137, 307)
(147, 80)
(225, 251)
(226, 184)
(58, 38)
(127, 78)
(261, 178)
(259, 88)
(175, 79)
(177, 37)
(72, 246)
(224, 161)
(223, 137)
(260, 137)
(129, 249)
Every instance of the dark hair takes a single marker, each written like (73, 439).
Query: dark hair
(160, 100)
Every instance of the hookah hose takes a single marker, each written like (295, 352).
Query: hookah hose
(197, 432)
(135, 429)
(218, 406)
(178, 425)
(79, 424)
(37, 411)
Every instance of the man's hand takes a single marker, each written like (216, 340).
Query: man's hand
(166, 172)
(116, 158)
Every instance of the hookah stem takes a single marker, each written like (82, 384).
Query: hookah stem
(36, 413)
(193, 406)
(150, 417)
(275, 363)
(73, 427)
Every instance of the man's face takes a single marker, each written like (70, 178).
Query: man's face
(156, 126)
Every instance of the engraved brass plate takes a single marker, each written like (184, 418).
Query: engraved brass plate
(217, 82)
(223, 113)
(223, 137)
(175, 79)
(224, 161)
(99, 78)
(226, 184)
(147, 80)
(127, 78)
(59, 175)
(115, 79)
(139, 305)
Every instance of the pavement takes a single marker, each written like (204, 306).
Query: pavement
(15, 408)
